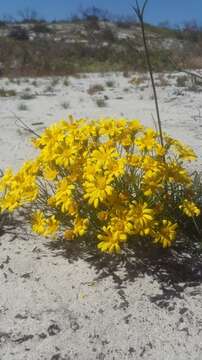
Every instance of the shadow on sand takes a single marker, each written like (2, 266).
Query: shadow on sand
(174, 269)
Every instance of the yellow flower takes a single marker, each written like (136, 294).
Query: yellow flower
(189, 208)
(103, 215)
(152, 182)
(148, 141)
(51, 136)
(10, 201)
(44, 226)
(176, 173)
(92, 173)
(185, 152)
(135, 126)
(6, 179)
(29, 191)
(160, 150)
(19, 189)
(38, 222)
(126, 140)
(80, 226)
(165, 234)
(70, 206)
(66, 155)
(110, 127)
(63, 194)
(98, 189)
(168, 141)
(49, 172)
(134, 160)
(110, 240)
(69, 235)
(103, 155)
(140, 216)
(116, 168)
(107, 127)
(149, 163)
(51, 226)
(115, 232)
(63, 197)
(31, 167)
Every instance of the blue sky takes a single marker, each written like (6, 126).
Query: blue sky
(175, 11)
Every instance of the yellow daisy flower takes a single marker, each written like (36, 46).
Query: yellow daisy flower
(98, 189)
(165, 234)
(189, 208)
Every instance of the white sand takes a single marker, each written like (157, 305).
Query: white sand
(75, 307)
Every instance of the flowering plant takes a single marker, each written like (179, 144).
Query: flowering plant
(109, 179)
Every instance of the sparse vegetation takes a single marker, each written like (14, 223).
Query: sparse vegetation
(41, 28)
(96, 47)
(107, 35)
(181, 81)
(49, 89)
(162, 81)
(35, 83)
(22, 107)
(27, 96)
(66, 82)
(126, 74)
(110, 83)
(124, 23)
(15, 81)
(93, 89)
(194, 88)
(19, 33)
(98, 43)
(7, 93)
(100, 102)
(139, 80)
(2, 24)
(65, 105)
(54, 82)
(136, 81)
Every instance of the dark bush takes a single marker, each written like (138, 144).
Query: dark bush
(123, 24)
(2, 24)
(19, 33)
(95, 14)
(107, 35)
(92, 23)
(41, 28)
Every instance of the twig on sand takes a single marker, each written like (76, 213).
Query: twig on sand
(24, 125)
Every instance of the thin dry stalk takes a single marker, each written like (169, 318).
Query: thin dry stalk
(25, 126)
(139, 11)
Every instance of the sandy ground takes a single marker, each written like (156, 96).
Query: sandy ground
(61, 303)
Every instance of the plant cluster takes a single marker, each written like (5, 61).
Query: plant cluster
(101, 51)
(110, 179)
